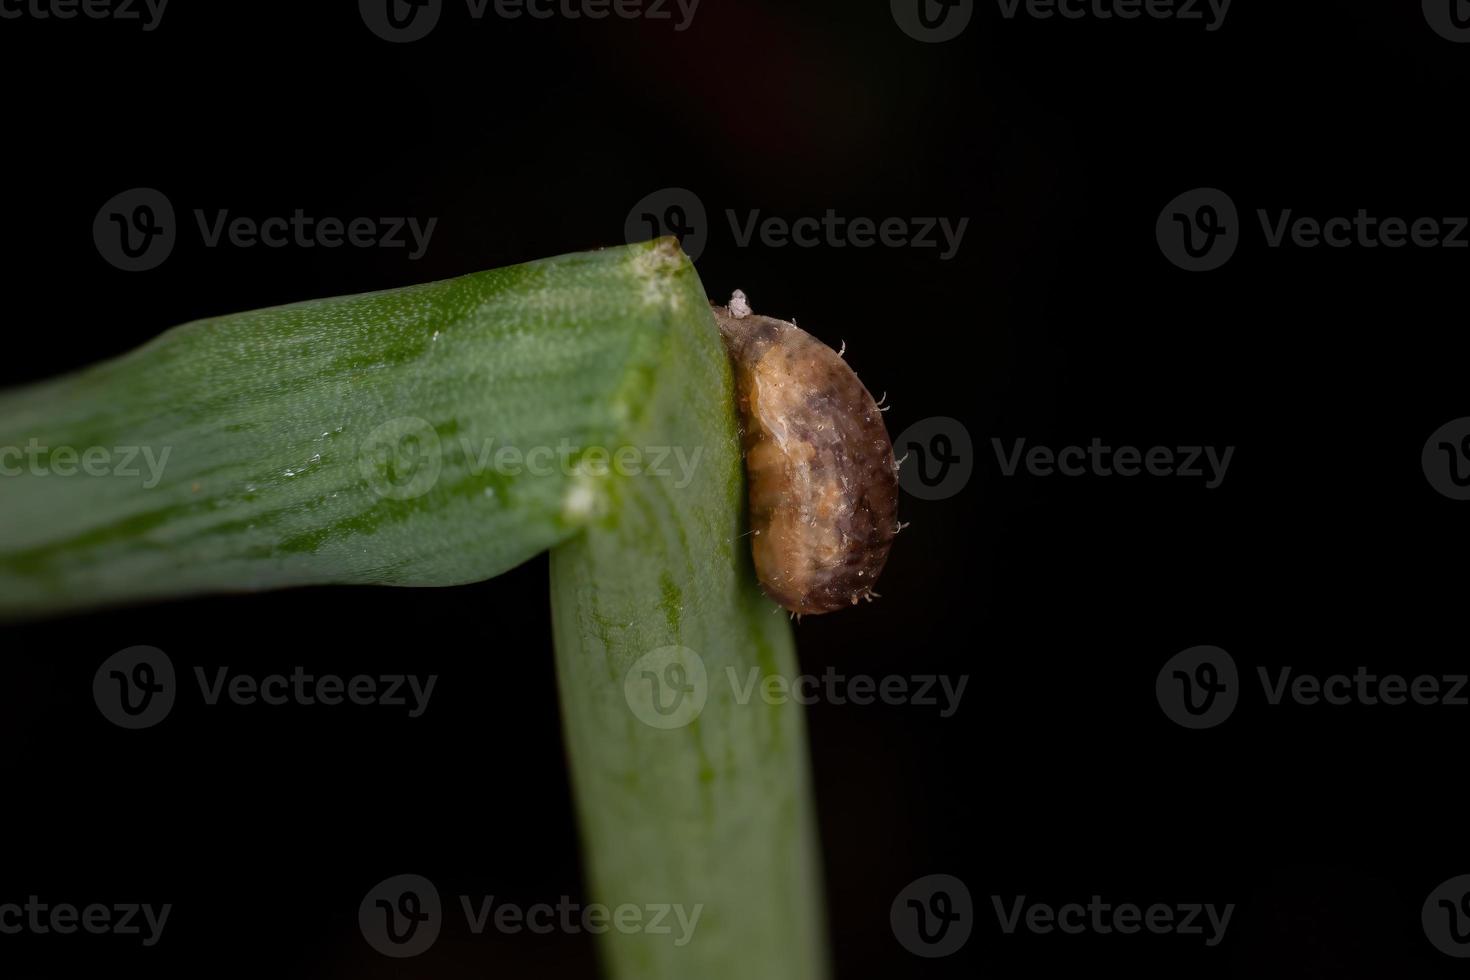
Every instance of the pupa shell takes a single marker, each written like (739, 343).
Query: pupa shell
(819, 464)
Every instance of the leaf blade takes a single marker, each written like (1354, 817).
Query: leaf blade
(257, 427)
(718, 811)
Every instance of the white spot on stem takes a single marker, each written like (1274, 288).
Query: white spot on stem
(739, 307)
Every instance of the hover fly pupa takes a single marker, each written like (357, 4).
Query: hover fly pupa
(818, 460)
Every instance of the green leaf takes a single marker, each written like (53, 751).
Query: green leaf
(657, 607)
(333, 441)
(442, 434)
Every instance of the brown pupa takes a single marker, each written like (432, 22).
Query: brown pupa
(818, 460)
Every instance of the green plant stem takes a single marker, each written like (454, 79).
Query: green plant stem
(718, 810)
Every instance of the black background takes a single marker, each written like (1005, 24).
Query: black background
(1059, 320)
